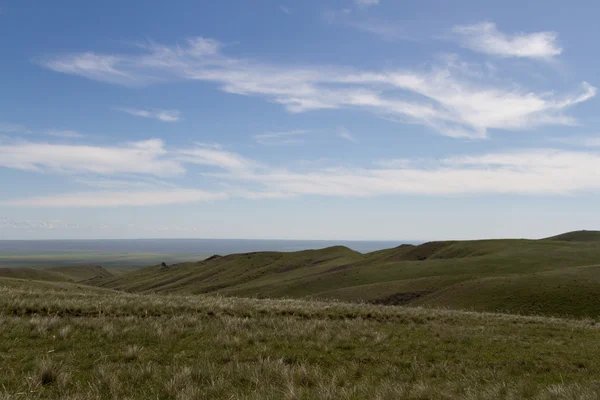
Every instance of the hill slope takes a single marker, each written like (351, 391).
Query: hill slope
(521, 276)
(76, 273)
(578, 236)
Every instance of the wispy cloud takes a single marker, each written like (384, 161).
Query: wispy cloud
(143, 157)
(522, 172)
(118, 198)
(280, 138)
(138, 182)
(484, 37)
(94, 66)
(285, 9)
(215, 157)
(346, 135)
(443, 98)
(161, 115)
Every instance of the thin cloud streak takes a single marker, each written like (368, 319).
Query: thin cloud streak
(118, 198)
(143, 157)
(346, 135)
(161, 115)
(280, 138)
(484, 37)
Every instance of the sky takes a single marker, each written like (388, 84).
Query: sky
(324, 119)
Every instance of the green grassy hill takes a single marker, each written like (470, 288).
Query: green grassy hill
(75, 273)
(578, 236)
(550, 277)
(61, 340)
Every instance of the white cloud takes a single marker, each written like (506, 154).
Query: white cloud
(523, 172)
(94, 66)
(280, 138)
(346, 135)
(285, 9)
(448, 99)
(484, 37)
(526, 172)
(118, 198)
(143, 157)
(161, 115)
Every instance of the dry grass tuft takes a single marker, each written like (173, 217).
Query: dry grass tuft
(49, 372)
(132, 353)
(65, 331)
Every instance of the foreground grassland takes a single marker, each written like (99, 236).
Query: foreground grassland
(67, 341)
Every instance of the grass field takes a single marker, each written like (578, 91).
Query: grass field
(558, 276)
(68, 341)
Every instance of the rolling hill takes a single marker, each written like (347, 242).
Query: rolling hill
(556, 276)
(578, 236)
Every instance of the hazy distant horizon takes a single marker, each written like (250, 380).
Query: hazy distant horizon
(142, 252)
(196, 238)
(185, 244)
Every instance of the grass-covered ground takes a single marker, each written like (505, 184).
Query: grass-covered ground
(67, 341)
(554, 277)
(75, 273)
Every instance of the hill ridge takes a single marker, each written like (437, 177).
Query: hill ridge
(577, 236)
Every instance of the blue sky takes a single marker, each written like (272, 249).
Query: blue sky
(340, 119)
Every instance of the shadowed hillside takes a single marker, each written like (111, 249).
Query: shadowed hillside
(79, 273)
(552, 277)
